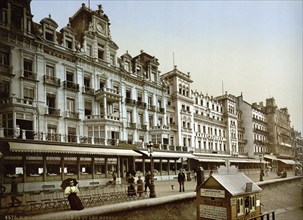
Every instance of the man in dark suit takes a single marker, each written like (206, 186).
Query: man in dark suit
(181, 180)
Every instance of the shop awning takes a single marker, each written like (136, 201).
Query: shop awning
(219, 160)
(214, 160)
(61, 149)
(271, 157)
(289, 162)
(168, 154)
(245, 161)
(286, 161)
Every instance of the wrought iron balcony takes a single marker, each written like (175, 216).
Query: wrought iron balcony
(52, 112)
(141, 104)
(50, 80)
(29, 75)
(130, 101)
(88, 91)
(6, 70)
(72, 115)
(71, 86)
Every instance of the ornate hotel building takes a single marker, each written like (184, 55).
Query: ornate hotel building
(72, 107)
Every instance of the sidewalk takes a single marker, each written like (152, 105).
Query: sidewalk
(164, 192)
(164, 188)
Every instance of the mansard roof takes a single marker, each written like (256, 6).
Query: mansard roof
(67, 29)
(50, 21)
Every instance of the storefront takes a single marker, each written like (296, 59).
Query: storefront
(279, 164)
(166, 164)
(37, 164)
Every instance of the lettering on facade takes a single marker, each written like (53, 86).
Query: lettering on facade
(213, 212)
(213, 193)
(248, 187)
(233, 201)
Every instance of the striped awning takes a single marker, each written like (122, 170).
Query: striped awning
(289, 162)
(162, 154)
(61, 149)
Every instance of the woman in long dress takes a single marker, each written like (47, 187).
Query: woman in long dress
(71, 192)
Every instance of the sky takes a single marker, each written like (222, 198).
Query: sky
(253, 48)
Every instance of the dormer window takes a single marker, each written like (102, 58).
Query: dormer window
(127, 66)
(49, 35)
(69, 43)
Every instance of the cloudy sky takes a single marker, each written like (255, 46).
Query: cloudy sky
(249, 47)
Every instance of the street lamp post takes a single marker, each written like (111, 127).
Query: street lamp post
(152, 193)
(261, 167)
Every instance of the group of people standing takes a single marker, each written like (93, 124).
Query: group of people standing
(132, 191)
(71, 189)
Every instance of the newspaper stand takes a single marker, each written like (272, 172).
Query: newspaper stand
(228, 195)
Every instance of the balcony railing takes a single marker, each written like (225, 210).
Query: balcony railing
(162, 110)
(260, 131)
(112, 95)
(103, 117)
(141, 104)
(72, 115)
(152, 108)
(160, 127)
(13, 100)
(132, 125)
(142, 127)
(50, 80)
(29, 75)
(6, 70)
(130, 101)
(30, 135)
(53, 137)
(88, 91)
(71, 86)
(52, 111)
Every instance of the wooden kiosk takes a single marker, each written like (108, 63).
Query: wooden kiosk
(228, 195)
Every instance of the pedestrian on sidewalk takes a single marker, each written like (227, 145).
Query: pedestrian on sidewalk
(72, 192)
(181, 180)
(139, 186)
(114, 177)
(147, 181)
(14, 192)
(131, 191)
